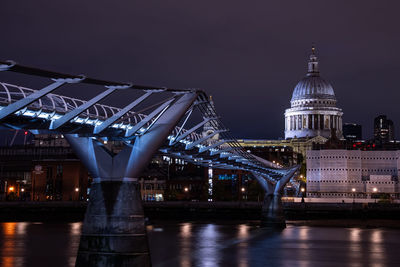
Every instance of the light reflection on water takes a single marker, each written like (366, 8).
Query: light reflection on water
(209, 240)
(247, 245)
(211, 244)
(242, 253)
(185, 234)
(74, 235)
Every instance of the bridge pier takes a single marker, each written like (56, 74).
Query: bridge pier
(272, 213)
(114, 231)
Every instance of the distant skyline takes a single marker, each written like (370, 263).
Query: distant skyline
(248, 55)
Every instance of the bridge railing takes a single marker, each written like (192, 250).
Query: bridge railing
(189, 144)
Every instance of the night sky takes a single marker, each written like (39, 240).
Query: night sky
(248, 54)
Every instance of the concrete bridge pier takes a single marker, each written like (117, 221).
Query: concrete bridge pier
(272, 214)
(114, 232)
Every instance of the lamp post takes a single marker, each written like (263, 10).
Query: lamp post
(243, 190)
(186, 189)
(302, 194)
(375, 190)
(354, 194)
(77, 191)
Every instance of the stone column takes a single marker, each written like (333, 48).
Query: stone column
(334, 122)
(338, 124)
(300, 122)
(285, 123)
(291, 123)
(312, 121)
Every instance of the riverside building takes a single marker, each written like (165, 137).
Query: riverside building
(353, 174)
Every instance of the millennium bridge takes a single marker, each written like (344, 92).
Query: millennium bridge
(155, 119)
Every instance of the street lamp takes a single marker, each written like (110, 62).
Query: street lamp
(375, 190)
(77, 191)
(302, 194)
(187, 195)
(243, 189)
(354, 195)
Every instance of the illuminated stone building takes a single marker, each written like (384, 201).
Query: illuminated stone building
(312, 117)
(313, 110)
(297, 145)
(352, 173)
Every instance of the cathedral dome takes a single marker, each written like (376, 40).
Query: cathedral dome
(313, 86)
(313, 110)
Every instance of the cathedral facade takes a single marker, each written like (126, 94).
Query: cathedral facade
(313, 110)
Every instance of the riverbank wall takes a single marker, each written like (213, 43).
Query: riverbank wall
(180, 210)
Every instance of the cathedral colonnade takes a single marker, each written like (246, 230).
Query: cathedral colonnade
(313, 122)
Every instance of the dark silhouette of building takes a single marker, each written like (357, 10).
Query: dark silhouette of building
(383, 129)
(62, 180)
(352, 131)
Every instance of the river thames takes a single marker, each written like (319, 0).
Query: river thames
(212, 244)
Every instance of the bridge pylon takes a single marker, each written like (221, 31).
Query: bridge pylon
(272, 214)
(114, 232)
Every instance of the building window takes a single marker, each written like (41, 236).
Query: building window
(321, 122)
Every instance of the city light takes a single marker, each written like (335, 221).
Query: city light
(243, 189)
(353, 189)
(22, 189)
(375, 189)
(302, 189)
(76, 189)
(186, 189)
(11, 189)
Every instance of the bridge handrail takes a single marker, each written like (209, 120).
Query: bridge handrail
(99, 112)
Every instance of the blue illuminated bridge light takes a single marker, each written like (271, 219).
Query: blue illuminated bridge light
(43, 111)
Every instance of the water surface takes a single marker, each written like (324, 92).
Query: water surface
(212, 244)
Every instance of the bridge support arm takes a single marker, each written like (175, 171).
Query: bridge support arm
(201, 140)
(272, 214)
(114, 230)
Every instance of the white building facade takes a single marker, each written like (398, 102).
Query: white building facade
(352, 173)
(313, 110)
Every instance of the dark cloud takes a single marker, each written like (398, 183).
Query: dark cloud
(248, 54)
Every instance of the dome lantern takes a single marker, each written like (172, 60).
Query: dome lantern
(313, 86)
(313, 69)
